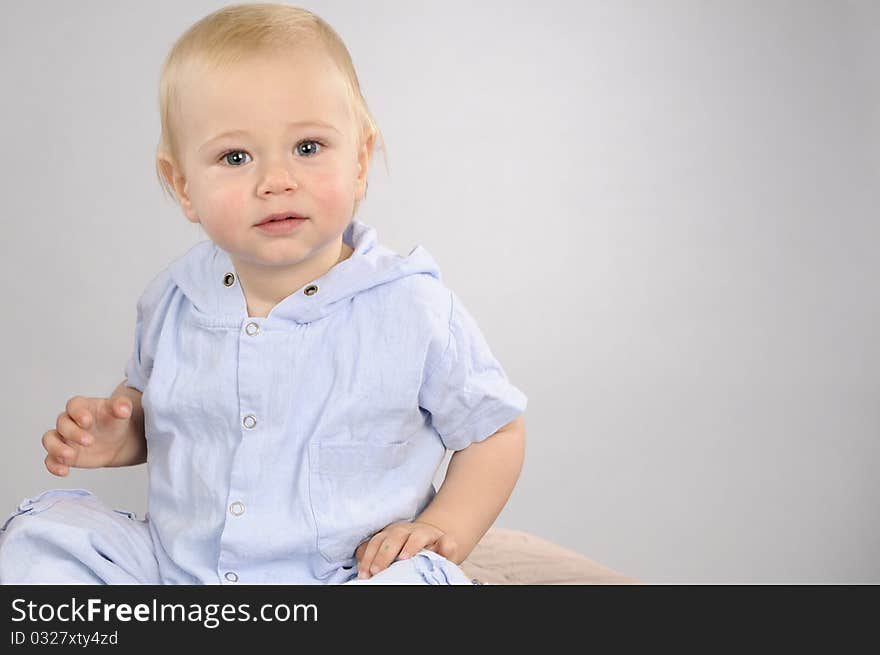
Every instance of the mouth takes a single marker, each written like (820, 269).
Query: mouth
(280, 217)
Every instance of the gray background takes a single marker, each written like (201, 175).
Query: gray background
(662, 215)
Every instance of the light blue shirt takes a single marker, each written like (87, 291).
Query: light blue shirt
(277, 444)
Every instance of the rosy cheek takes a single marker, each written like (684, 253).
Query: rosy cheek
(228, 214)
(232, 204)
(331, 190)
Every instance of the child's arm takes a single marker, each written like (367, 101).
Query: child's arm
(478, 482)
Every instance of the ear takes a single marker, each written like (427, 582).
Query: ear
(177, 181)
(364, 156)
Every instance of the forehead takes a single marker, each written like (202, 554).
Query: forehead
(264, 92)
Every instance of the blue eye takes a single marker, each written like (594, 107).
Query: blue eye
(309, 141)
(232, 152)
(238, 153)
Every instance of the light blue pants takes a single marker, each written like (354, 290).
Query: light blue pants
(68, 536)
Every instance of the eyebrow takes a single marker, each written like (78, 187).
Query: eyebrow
(244, 132)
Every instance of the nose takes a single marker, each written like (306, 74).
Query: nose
(278, 180)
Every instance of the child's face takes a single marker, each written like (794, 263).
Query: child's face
(232, 183)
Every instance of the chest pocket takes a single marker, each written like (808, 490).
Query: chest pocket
(356, 489)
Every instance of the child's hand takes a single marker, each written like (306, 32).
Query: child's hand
(88, 434)
(406, 538)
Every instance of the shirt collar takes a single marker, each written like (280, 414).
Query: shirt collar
(208, 278)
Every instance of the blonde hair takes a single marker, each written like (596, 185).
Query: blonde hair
(235, 33)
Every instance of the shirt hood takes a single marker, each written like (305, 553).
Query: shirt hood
(207, 277)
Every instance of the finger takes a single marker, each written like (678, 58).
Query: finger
(369, 554)
(58, 448)
(388, 552)
(119, 407)
(415, 543)
(359, 551)
(72, 432)
(77, 408)
(367, 557)
(56, 468)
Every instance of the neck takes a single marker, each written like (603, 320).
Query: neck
(265, 286)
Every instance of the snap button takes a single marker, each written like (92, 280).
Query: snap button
(311, 290)
(250, 421)
(236, 508)
(231, 576)
(229, 279)
(252, 329)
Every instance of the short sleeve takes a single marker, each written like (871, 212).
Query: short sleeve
(146, 329)
(467, 392)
